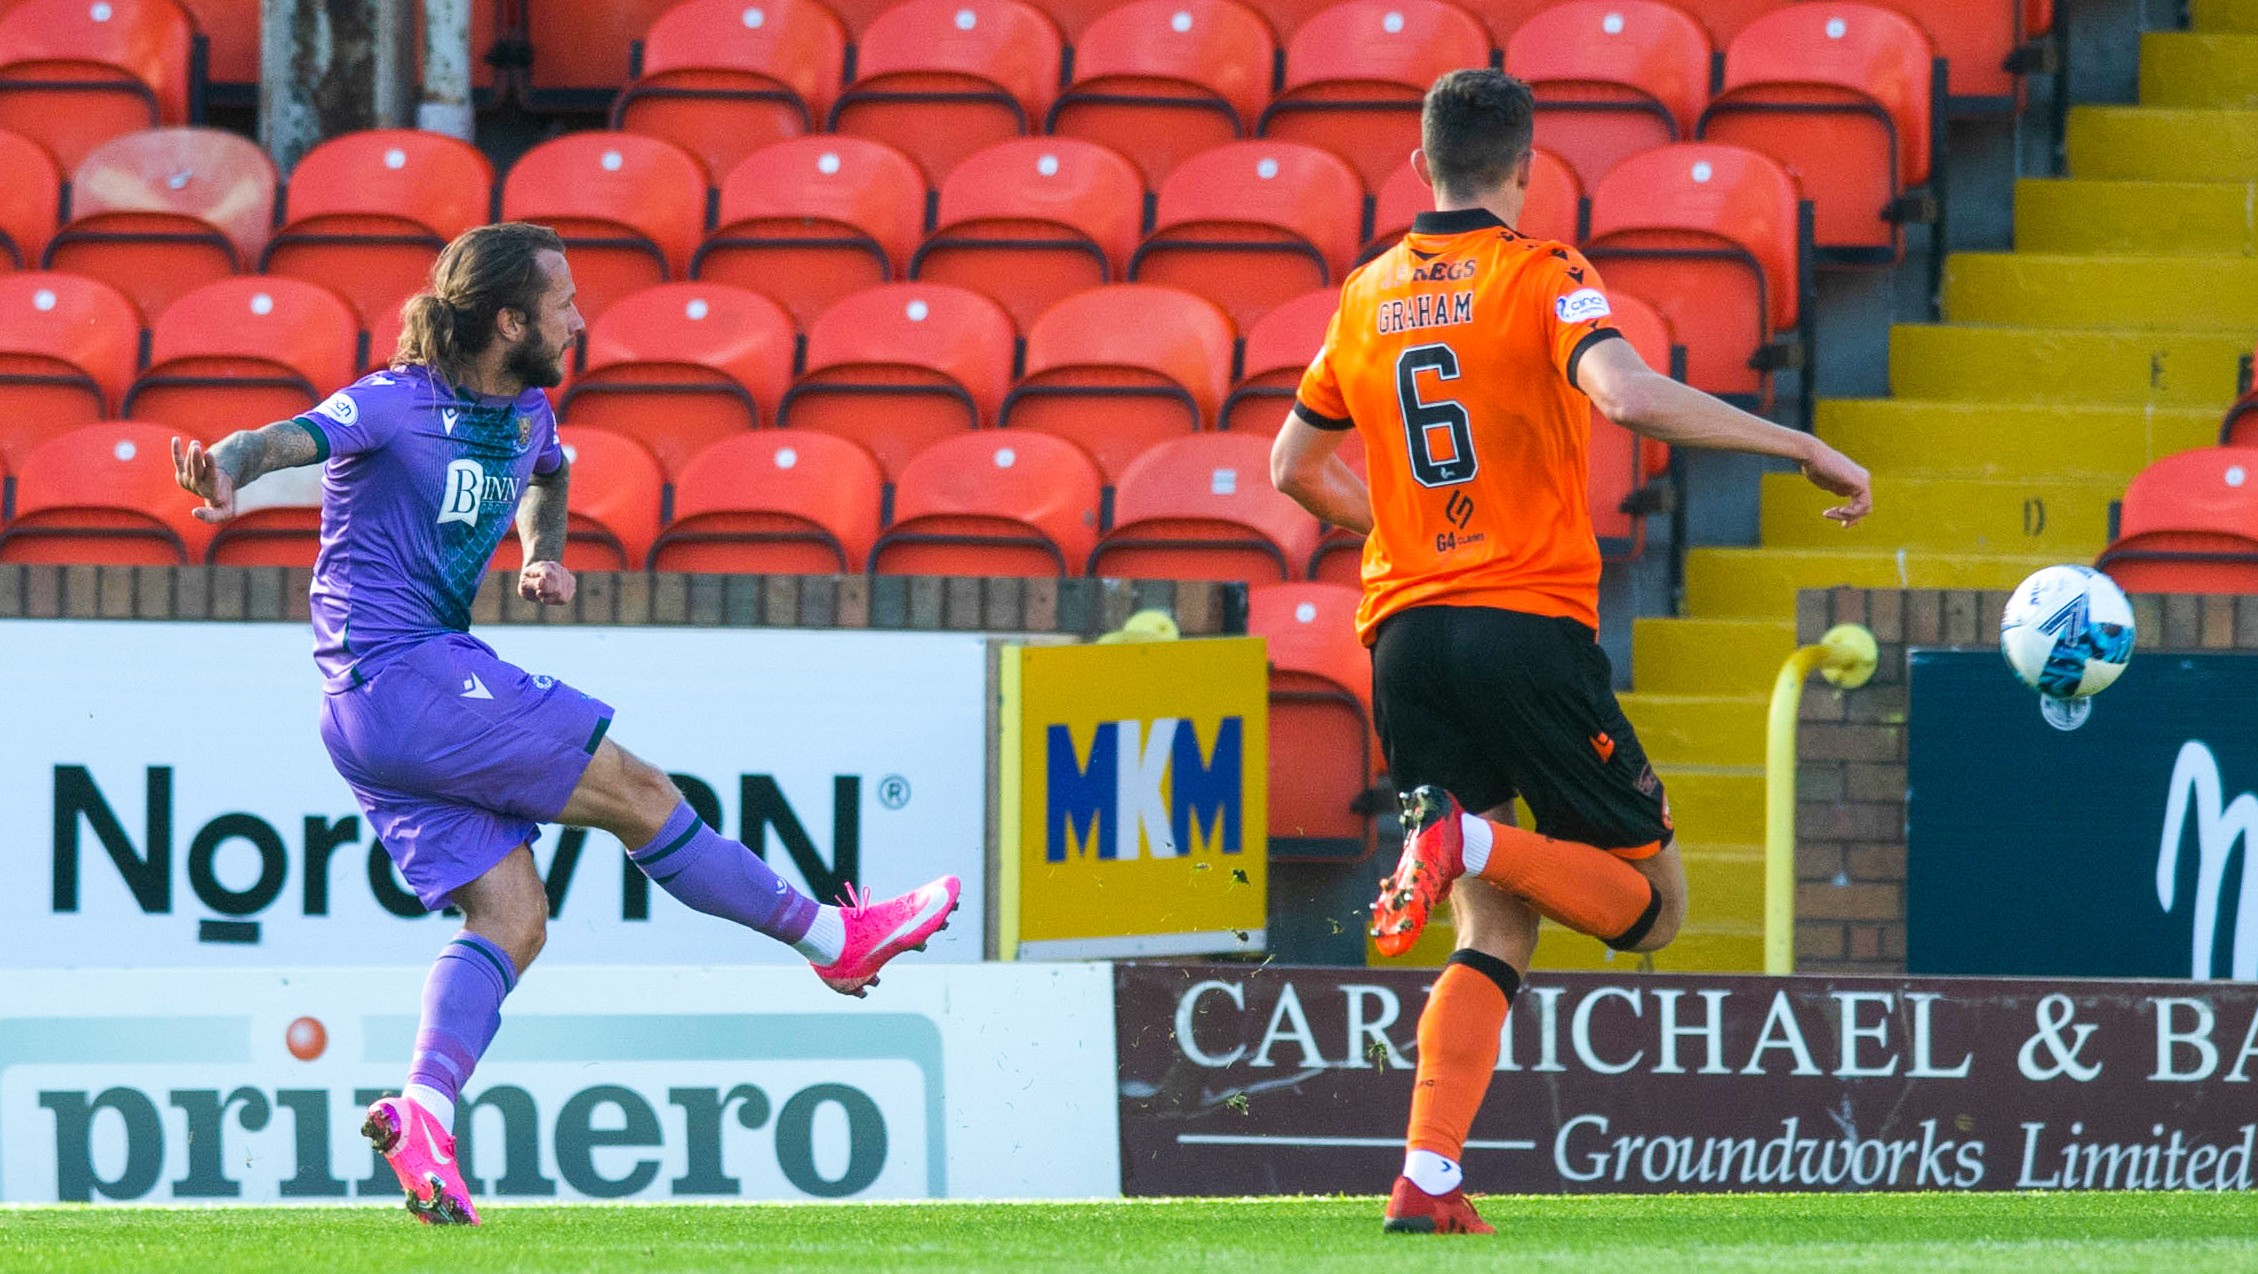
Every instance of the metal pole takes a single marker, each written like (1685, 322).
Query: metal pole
(325, 68)
(445, 106)
(1846, 657)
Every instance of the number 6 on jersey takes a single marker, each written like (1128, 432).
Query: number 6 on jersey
(1438, 435)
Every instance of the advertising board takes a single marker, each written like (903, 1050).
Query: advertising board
(181, 1086)
(2119, 849)
(165, 798)
(1133, 799)
(1240, 1080)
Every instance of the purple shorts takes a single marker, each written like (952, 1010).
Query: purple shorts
(457, 757)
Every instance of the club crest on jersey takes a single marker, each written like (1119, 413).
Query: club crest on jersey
(468, 488)
(524, 429)
(1581, 304)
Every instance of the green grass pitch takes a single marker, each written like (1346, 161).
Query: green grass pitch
(1896, 1234)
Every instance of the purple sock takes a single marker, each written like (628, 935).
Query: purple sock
(711, 873)
(462, 1008)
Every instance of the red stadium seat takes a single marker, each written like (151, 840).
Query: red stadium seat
(1323, 753)
(1202, 507)
(1710, 236)
(807, 222)
(277, 522)
(1553, 208)
(1031, 221)
(67, 351)
(1251, 224)
(1116, 370)
(774, 502)
(161, 213)
(1612, 78)
(1841, 95)
(986, 504)
(242, 353)
(1357, 73)
(723, 78)
(1162, 80)
(1977, 38)
(942, 79)
(581, 49)
(2189, 525)
(30, 200)
(682, 366)
(1288, 16)
(901, 367)
(1724, 19)
(1277, 352)
(231, 31)
(103, 493)
(1621, 462)
(383, 340)
(366, 214)
(630, 209)
(614, 518)
(76, 73)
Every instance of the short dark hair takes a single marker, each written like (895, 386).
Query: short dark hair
(486, 270)
(1477, 125)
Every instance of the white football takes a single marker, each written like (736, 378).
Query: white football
(2067, 631)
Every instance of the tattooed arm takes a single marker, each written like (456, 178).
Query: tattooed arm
(541, 529)
(237, 459)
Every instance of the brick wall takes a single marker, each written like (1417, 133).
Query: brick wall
(1083, 607)
(1850, 752)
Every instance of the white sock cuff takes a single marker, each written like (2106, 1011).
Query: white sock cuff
(431, 1099)
(826, 937)
(1478, 837)
(1431, 1172)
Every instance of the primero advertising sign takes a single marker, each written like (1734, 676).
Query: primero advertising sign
(184, 1086)
(1243, 1080)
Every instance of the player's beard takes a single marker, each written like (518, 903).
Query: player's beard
(536, 364)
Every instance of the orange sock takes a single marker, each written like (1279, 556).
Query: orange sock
(1579, 885)
(1458, 1042)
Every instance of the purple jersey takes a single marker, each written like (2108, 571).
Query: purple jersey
(419, 485)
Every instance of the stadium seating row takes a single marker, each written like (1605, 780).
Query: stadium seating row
(1842, 93)
(1714, 236)
(678, 367)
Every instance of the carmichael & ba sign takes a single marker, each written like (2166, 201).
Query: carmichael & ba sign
(1243, 1080)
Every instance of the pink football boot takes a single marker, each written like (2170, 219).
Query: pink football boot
(879, 931)
(422, 1155)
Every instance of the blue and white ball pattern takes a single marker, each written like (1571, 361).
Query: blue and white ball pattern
(2067, 631)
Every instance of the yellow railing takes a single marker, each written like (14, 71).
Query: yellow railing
(1845, 657)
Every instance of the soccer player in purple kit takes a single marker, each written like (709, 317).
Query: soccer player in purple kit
(456, 756)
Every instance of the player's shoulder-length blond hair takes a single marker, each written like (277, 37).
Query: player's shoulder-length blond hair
(486, 270)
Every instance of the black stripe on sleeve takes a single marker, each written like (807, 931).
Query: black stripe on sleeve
(1315, 420)
(320, 436)
(1576, 355)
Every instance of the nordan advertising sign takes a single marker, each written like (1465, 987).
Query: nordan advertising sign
(1253, 1081)
(1132, 799)
(247, 1086)
(165, 798)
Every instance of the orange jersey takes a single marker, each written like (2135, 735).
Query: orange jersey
(1453, 355)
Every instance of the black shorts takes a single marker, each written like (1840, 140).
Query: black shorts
(1489, 704)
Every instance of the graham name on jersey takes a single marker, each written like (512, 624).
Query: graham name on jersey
(1428, 309)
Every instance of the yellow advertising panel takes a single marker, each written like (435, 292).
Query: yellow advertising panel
(1133, 799)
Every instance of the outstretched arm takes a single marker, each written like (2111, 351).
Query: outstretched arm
(541, 530)
(238, 459)
(1645, 402)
